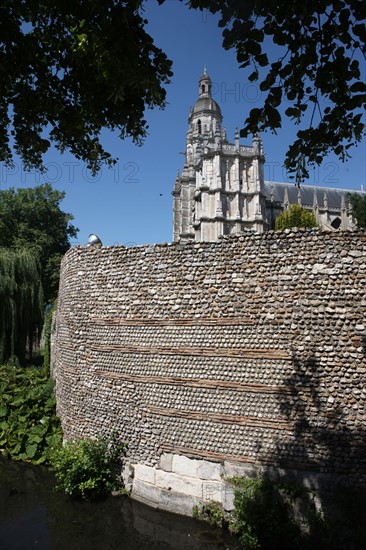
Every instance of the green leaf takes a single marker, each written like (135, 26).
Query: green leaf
(6, 396)
(40, 460)
(16, 448)
(273, 116)
(18, 401)
(262, 59)
(35, 439)
(252, 47)
(254, 76)
(358, 87)
(292, 112)
(32, 424)
(268, 82)
(23, 456)
(31, 450)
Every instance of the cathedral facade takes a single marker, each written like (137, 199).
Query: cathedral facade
(221, 189)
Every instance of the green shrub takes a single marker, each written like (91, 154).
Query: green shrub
(84, 468)
(295, 216)
(29, 426)
(358, 204)
(264, 515)
(211, 512)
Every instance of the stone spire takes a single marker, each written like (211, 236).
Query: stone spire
(299, 197)
(257, 144)
(236, 139)
(205, 85)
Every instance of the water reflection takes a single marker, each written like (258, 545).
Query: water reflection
(33, 516)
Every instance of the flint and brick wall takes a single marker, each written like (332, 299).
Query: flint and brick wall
(246, 351)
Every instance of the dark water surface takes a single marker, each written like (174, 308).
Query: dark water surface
(33, 516)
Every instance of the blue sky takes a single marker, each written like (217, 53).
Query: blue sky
(132, 203)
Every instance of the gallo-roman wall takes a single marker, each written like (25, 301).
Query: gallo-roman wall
(216, 359)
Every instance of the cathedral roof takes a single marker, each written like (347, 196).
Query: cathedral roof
(308, 194)
(206, 104)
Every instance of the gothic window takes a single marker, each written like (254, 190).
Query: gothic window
(199, 125)
(336, 223)
(203, 88)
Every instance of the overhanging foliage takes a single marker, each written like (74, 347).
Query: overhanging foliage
(307, 55)
(70, 69)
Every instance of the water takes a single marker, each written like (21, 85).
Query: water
(33, 516)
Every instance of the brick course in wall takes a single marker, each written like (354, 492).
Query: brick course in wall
(250, 350)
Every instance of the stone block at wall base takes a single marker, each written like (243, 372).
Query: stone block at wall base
(241, 469)
(165, 462)
(164, 499)
(207, 482)
(209, 470)
(146, 493)
(145, 473)
(199, 481)
(177, 503)
(184, 466)
(179, 483)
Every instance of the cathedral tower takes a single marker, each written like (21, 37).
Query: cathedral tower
(221, 188)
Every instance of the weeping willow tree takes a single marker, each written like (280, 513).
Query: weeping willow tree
(21, 304)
